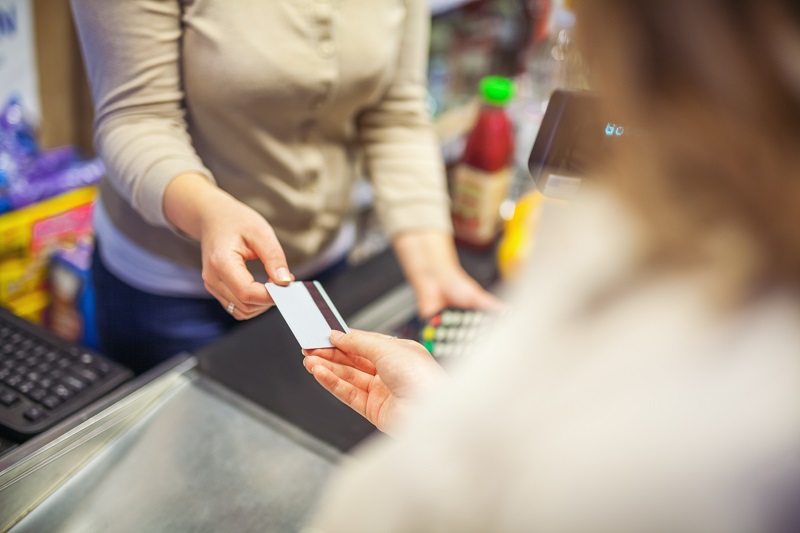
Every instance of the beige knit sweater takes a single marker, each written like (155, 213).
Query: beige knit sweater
(270, 99)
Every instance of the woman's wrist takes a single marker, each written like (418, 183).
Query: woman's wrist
(426, 256)
(425, 251)
(188, 198)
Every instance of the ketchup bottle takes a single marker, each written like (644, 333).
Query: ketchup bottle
(482, 177)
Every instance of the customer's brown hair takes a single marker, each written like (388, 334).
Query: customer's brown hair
(715, 86)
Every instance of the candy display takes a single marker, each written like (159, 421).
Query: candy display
(28, 173)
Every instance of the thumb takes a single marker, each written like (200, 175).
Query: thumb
(371, 346)
(266, 246)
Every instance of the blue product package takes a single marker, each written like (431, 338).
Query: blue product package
(78, 174)
(29, 174)
(72, 312)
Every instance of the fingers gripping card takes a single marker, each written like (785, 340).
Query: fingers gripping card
(308, 311)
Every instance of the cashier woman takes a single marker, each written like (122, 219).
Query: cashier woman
(229, 131)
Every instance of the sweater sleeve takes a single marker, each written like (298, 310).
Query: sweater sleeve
(132, 55)
(401, 150)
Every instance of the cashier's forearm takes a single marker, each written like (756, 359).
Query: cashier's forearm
(426, 255)
(188, 198)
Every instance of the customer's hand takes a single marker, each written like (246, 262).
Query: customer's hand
(379, 377)
(230, 233)
(431, 266)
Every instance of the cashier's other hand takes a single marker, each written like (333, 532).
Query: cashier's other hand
(431, 265)
(452, 287)
(379, 377)
(232, 234)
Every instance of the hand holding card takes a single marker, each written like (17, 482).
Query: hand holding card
(308, 311)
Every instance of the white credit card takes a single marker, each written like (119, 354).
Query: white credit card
(308, 311)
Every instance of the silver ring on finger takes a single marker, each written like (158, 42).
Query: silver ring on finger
(230, 308)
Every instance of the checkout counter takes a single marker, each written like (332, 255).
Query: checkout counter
(237, 437)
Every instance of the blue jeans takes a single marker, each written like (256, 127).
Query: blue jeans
(141, 330)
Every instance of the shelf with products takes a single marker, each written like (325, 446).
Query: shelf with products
(485, 37)
(529, 41)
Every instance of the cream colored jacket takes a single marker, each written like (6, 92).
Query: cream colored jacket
(605, 403)
(270, 99)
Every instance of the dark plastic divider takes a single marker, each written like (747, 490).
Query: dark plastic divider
(262, 361)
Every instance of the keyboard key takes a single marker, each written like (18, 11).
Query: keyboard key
(102, 367)
(86, 374)
(34, 413)
(74, 383)
(63, 363)
(50, 356)
(31, 361)
(33, 376)
(87, 358)
(51, 402)
(26, 387)
(8, 398)
(62, 392)
(56, 374)
(13, 381)
(46, 383)
(43, 368)
(37, 394)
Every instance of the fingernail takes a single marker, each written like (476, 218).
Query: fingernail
(283, 274)
(304, 353)
(336, 335)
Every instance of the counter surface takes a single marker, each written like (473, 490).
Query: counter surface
(203, 460)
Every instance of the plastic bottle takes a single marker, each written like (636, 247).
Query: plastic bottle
(482, 177)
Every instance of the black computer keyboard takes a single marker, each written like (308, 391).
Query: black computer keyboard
(44, 379)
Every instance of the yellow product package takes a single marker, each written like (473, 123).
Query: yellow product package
(28, 236)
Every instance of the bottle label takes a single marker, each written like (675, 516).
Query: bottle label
(477, 196)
